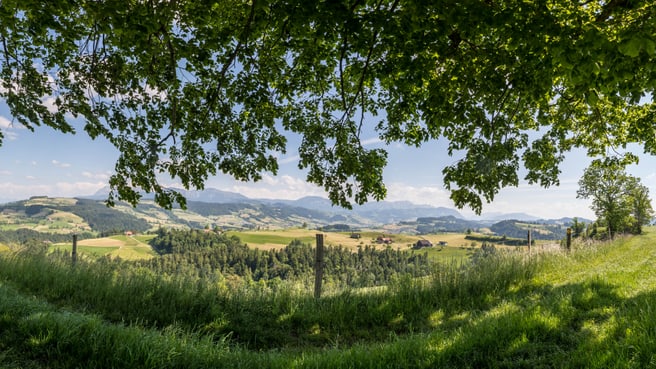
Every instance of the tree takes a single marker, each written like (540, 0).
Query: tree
(188, 89)
(641, 208)
(618, 199)
(577, 227)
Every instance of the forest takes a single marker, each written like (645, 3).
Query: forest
(24, 236)
(212, 256)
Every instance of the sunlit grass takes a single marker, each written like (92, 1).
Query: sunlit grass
(89, 250)
(124, 247)
(592, 308)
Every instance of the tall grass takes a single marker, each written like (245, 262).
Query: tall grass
(593, 308)
(255, 315)
(43, 336)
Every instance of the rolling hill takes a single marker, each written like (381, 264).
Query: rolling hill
(80, 215)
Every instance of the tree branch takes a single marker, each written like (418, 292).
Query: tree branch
(214, 94)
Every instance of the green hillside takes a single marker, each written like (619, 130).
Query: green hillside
(64, 216)
(592, 308)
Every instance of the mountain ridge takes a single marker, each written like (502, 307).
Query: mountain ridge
(70, 215)
(382, 211)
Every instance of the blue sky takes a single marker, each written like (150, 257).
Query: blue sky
(45, 162)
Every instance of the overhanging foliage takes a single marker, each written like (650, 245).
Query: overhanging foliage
(190, 88)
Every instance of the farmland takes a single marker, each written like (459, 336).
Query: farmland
(589, 308)
(125, 247)
(137, 247)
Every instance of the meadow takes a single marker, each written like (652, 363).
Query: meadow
(592, 308)
(125, 247)
(136, 247)
(458, 248)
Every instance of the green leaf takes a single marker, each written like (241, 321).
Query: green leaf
(632, 47)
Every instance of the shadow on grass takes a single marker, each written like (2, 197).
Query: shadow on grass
(495, 318)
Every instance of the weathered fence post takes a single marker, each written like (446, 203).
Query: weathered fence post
(318, 266)
(528, 236)
(74, 252)
(569, 239)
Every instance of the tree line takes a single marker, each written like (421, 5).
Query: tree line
(30, 238)
(203, 254)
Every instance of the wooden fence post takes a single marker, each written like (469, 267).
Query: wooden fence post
(569, 239)
(528, 236)
(74, 252)
(318, 266)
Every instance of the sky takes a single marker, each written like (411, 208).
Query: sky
(46, 162)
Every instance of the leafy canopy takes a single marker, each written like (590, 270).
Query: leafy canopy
(193, 88)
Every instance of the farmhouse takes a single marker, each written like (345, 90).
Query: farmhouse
(385, 240)
(423, 243)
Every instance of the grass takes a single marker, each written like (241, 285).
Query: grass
(593, 308)
(273, 238)
(267, 239)
(448, 253)
(124, 247)
(89, 250)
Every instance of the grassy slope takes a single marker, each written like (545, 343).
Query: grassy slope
(125, 247)
(592, 309)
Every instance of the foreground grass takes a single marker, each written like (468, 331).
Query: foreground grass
(593, 309)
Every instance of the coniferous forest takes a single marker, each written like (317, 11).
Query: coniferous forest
(208, 255)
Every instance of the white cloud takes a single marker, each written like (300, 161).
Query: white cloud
(8, 128)
(21, 191)
(422, 195)
(5, 123)
(371, 141)
(552, 203)
(5, 173)
(49, 103)
(104, 176)
(279, 187)
(10, 135)
(60, 164)
(289, 159)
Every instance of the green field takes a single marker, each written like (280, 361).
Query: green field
(457, 249)
(136, 247)
(591, 308)
(89, 250)
(264, 238)
(448, 253)
(125, 247)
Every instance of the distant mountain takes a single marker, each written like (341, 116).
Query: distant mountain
(308, 202)
(214, 195)
(495, 216)
(567, 221)
(540, 230)
(382, 212)
(238, 210)
(228, 210)
(449, 223)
